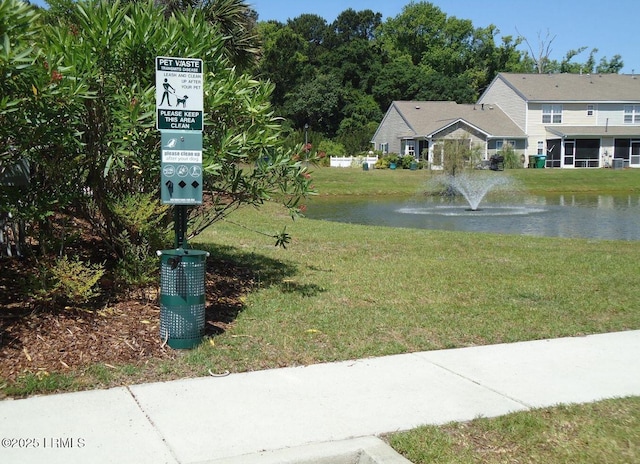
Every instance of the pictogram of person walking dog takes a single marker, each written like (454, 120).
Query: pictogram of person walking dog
(169, 90)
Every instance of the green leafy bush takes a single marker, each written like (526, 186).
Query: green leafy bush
(511, 158)
(406, 161)
(142, 228)
(74, 281)
(385, 161)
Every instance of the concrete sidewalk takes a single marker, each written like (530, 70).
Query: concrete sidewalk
(241, 418)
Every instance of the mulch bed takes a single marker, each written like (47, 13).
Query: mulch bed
(123, 330)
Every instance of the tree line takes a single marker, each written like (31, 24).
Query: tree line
(340, 77)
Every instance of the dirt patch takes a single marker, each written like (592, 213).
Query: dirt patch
(123, 330)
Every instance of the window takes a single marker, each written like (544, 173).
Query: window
(590, 110)
(551, 114)
(499, 144)
(384, 148)
(411, 148)
(631, 114)
(540, 147)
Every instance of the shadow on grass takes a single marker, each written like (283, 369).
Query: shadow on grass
(232, 274)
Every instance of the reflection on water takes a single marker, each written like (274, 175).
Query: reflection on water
(587, 216)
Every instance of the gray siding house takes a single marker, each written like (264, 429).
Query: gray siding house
(418, 128)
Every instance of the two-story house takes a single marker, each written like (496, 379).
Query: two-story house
(576, 120)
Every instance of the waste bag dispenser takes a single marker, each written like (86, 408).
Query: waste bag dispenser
(182, 296)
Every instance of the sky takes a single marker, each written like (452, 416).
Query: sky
(608, 25)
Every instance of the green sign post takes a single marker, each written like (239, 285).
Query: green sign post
(179, 111)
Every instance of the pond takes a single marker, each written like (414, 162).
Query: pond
(611, 217)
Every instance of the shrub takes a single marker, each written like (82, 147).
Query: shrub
(74, 281)
(384, 161)
(511, 158)
(142, 230)
(406, 161)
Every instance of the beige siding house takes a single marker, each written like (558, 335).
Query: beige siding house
(418, 128)
(588, 120)
(573, 120)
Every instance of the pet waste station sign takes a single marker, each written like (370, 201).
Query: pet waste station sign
(181, 165)
(180, 111)
(180, 107)
(179, 94)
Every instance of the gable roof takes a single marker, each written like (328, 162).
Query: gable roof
(574, 87)
(427, 118)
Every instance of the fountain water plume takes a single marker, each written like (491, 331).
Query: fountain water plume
(474, 187)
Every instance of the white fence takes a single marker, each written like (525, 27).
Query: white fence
(352, 161)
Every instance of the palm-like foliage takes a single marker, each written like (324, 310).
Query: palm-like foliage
(234, 19)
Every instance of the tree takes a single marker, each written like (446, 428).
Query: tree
(459, 88)
(356, 63)
(314, 30)
(235, 20)
(237, 23)
(614, 65)
(541, 62)
(458, 155)
(36, 102)
(91, 106)
(285, 60)
(351, 25)
(316, 103)
(359, 122)
(540, 57)
(414, 31)
(455, 59)
(397, 80)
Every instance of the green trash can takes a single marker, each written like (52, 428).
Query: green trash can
(365, 166)
(541, 161)
(182, 297)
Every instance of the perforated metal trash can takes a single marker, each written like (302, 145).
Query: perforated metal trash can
(182, 297)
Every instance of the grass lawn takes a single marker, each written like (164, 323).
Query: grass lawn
(346, 181)
(607, 431)
(343, 291)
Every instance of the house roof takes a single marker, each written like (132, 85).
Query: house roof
(427, 118)
(594, 131)
(574, 87)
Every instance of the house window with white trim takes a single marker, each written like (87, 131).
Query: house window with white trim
(411, 148)
(551, 114)
(540, 147)
(590, 110)
(631, 114)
